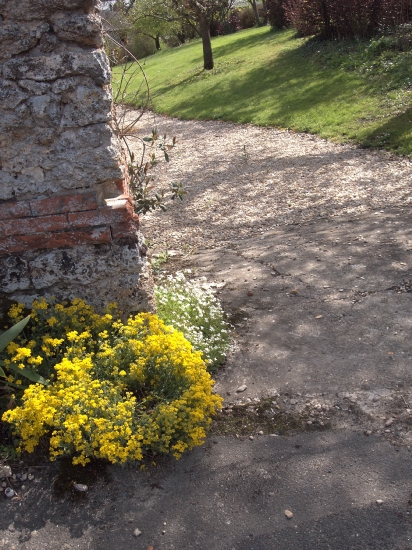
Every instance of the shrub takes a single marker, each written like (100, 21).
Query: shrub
(276, 14)
(197, 313)
(346, 18)
(116, 390)
(247, 18)
(226, 26)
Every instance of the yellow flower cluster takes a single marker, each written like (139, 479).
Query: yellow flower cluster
(116, 390)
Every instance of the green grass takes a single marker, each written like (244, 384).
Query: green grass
(352, 92)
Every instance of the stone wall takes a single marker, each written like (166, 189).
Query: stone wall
(67, 226)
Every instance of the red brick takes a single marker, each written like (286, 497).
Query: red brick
(64, 203)
(10, 210)
(122, 185)
(103, 216)
(21, 243)
(28, 226)
(126, 230)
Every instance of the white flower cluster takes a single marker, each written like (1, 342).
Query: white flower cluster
(195, 312)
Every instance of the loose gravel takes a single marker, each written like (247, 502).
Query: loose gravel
(243, 180)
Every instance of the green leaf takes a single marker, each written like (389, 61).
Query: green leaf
(147, 139)
(2, 373)
(28, 373)
(11, 334)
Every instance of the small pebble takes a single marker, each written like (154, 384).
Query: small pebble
(261, 432)
(288, 514)
(30, 477)
(80, 487)
(24, 477)
(137, 532)
(251, 438)
(368, 432)
(389, 422)
(379, 502)
(293, 401)
(294, 291)
(5, 471)
(9, 492)
(241, 388)
(163, 532)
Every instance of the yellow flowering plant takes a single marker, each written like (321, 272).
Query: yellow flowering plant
(115, 390)
(6, 386)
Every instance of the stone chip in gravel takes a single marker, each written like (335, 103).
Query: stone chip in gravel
(5, 471)
(288, 514)
(80, 487)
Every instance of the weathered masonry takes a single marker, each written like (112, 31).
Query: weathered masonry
(67, 226)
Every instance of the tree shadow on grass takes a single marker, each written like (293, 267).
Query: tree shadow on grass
(397, 130)
(286, 86)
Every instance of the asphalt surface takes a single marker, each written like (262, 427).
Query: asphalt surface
(322, 315)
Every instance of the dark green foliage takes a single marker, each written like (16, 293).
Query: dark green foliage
(276, 14)
(346, 18)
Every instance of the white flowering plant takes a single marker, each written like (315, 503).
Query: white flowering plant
(193, 309)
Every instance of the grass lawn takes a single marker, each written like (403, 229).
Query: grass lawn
(274, 79)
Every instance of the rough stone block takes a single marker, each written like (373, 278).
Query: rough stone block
(18, 38)
(47, 68)
(85, 106)
(84, 29)
(14, 274)
(11, 95)
(27, 10)
(36, 88)
(82, 271)
(45, 110)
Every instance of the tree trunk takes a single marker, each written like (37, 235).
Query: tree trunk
(256, 12)
(207, 45)
(157, 42)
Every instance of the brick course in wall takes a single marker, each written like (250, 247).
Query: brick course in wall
(63, 221)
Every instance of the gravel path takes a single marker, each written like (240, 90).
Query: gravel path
(243, 180)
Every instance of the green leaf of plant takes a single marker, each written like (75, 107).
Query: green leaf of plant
(30, 374)
(11, 334)
(2, 373)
